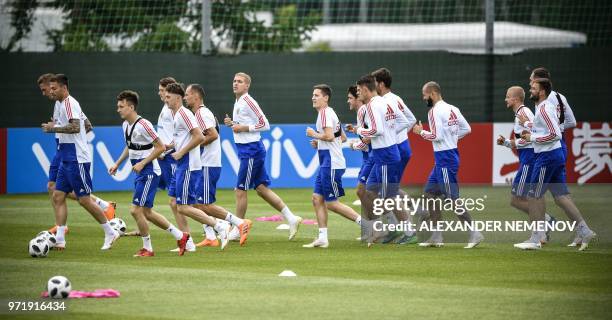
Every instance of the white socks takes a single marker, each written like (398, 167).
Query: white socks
(220, 226)
(323, 234)
(107, 228)
(60, 234)
(233, 219)
(210, 232)
(583, 228)
(102, 204)
(288, 215)
(358, 220)
(546, 217)
(146, 243)
(176, 233)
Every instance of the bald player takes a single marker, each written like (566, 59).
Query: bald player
(447, 126)
(515, 97)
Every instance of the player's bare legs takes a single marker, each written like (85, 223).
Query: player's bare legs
(243, 225)
(61, 215)
(277, 203)
(520, 203)
(361, 194)
(537, 207)
(109, 212)
(61, 209)
(198, 215)
(435, 215)
(181, 220)
(270, 197)
(241, 203)
(343, 210)
(583, 233)
(321, 212)
(141, 220)
(94, 210)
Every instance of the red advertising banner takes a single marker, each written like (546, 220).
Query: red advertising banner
(475, 152)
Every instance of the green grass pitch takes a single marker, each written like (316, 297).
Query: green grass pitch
(345, 281)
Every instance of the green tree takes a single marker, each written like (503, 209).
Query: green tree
(146, 25)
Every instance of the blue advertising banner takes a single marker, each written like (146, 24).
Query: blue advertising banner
(291, 161)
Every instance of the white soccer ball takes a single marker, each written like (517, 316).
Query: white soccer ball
(119, 225)
(59, 287)
(38, 247)
(44, 234)
(51, 240)
(49, 237)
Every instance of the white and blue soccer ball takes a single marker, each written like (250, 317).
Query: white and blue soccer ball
(59, 287)
(38, 247)
(118, 225)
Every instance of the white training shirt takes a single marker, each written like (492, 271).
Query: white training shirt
(56, 116)
(247, 112)
(361, 113)
(404, 123)
(545, 130)
(327, 118)
(165, 125)
(143, 134)
(380, 119)
(570, 120)
(69, 109)
(184, 122)
(447, 126)
(211, 153)
(518, 128)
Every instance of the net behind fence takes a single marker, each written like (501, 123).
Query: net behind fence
(236, 26)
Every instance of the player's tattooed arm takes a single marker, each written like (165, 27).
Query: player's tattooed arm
(88, 125)
(210, 135)
(72, 127)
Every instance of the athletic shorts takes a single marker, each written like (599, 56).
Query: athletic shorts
(252, 173)
(443, 181)
(167, 166)
(210, 176)
(548, 174)
(54, 167)
(384, 179)
(74, 176)
(187, 185)
(329, 183)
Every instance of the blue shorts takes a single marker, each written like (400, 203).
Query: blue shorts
(405, 154)
(564, 147)
(520, 184)
(167, 166)
(187, 185)
(145, 187)
(364, 172)
(252, 173)
(328, 183)
(443, 181)
(210, 176)
(74, 176)
(54, 167)
(548, 174)
(384, 179)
